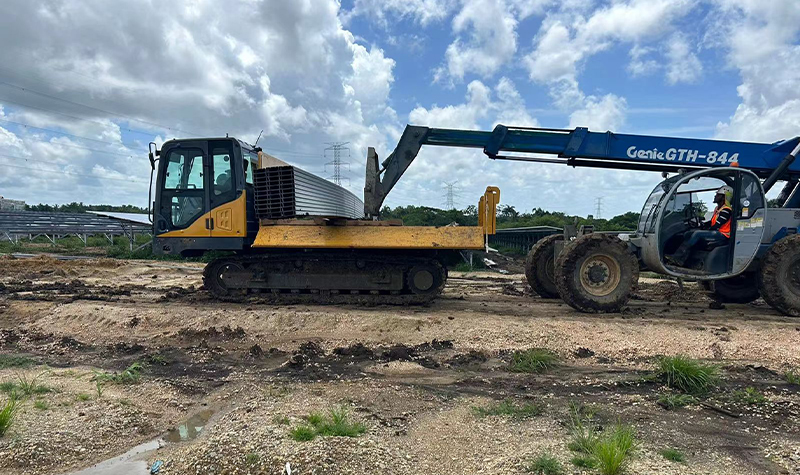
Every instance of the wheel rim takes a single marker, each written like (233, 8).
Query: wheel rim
(600, 274)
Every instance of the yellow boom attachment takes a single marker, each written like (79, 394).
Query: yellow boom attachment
(362, 234)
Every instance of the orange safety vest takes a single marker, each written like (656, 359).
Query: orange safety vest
(725, 229)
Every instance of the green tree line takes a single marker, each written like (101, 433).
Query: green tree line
(507, 217)
(76, 207)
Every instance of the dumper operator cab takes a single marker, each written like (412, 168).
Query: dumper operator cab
(681, 204)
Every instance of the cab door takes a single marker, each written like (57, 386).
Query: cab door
(184, 186)
(228, 216)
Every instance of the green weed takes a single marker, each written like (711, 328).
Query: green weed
(251, 458)
(7, 415)
(613, 449)
(83, 397)
(545, 464)
(336, 423)
(99, 387)
(583, 435)
(41, 404)
(15, 361)
(688, 375)
(509, 408)
(303, 433)
(673, 455)
(749, 395)
(8, 387)
(130, 375)
(30, 386)
(534, 360)
(792, 377)
(281, 420)
(584, 461)
(675, 401)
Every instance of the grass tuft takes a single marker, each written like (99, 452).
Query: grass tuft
(41, 404)
(613, 450)
(7, 415)
(688, 375)
(675, 401)
(584, 461)
(131, 375)
(509, 408)
(792, 377)
(336, 423)
(749, 395)
(582, 431)
(252, 458)
(31, 386)
(673, 455)
(15, 361)
(281, 420)
(534, 360)
(83, 397)
(303, 433)
(545, 464)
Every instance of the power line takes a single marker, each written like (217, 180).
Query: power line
(23, 124)
(53, 111)
(128, 118)
(61, 172)
(338, 150)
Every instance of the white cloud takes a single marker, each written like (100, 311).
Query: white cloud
(600, 113)
(760, 40)
(384, 12)
(683, 66)
(299, 75)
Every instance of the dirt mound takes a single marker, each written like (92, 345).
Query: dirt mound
(669, 291)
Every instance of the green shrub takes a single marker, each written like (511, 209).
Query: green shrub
(584, 461)
(7, 415)
(673, 455)
(534, 360)
(613, 450)
(130, 375)
(545, 464)
(792, 377)
(583, 435)
(749, 395)
(674, 401)
(15, 361)
(507, 407)
(688, 375)
(334, 424)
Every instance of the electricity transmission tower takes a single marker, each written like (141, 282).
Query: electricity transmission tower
(337, 152)
(450, 195)
(599, 207)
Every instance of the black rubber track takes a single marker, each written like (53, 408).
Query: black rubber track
(567, 273)
(776, 283)
(220, 292)
(740, 289)
(540, 257)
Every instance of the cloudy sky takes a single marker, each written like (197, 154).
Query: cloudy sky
(85, 85)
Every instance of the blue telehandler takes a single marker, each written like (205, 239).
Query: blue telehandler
(598, 272)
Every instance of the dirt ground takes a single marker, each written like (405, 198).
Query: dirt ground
(412, 375)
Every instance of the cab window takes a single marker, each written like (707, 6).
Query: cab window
(223, 178)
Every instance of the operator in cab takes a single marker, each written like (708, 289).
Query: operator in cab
(713, 233)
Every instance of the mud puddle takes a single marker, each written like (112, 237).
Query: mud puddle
(134, 461)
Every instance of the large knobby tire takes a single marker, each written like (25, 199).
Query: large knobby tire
(540, 266)
(596, 273)
(740, 289)
(779, 277)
